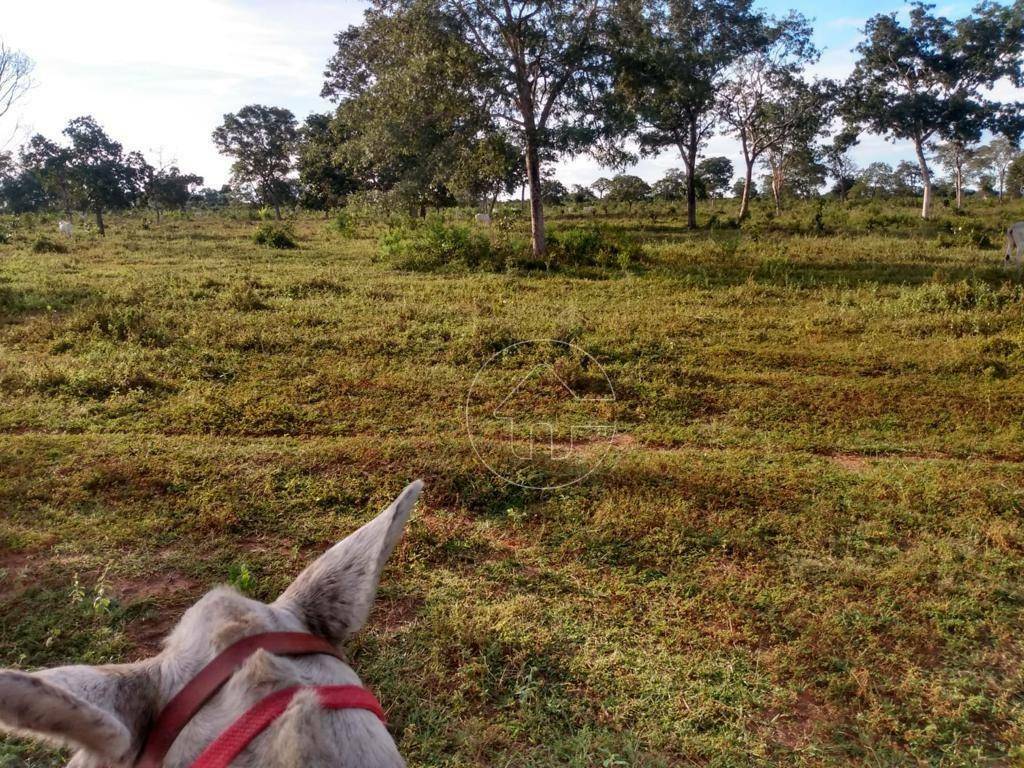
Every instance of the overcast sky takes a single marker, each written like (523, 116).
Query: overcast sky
(159, 77)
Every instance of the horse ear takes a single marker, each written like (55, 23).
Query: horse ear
(102, 710)
(333, 596)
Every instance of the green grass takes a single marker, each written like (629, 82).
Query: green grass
(809, 551)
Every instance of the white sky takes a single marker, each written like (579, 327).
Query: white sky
(160, 77)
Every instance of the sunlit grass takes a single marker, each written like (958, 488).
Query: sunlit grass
(808, 551)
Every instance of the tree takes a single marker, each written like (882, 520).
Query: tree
(15, 77)
(51, 166)
(716, 175)
(1015, 178)
(324, 179)
(169, 188)
(106, 178)
(629, 189)
(878, 180)
(262, 141)
(836, 158)
(670, 59)
(20, 190)
(740, 185)
(955, 156)
(537, 66)
(488, 165)
(805, 173)
(766, 99)
(925, 79)
(409, 101)
(208, 197)
(995, 158)
(581, 194)
(907, 180)
(672, 186)
(601, 186)
(552, 191)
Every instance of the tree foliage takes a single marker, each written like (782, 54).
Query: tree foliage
(262, 140)
(766, 101)
(927, 79)
(670, 59)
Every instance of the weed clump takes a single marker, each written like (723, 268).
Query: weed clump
(343, 223)
(273, 235)
(593, 247)
(436, 244)
(45, 244)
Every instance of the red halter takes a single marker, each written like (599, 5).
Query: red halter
(190, 699)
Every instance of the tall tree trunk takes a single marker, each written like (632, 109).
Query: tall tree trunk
(689, 153)
(540, 246)
(926, 179)
(99, 221)
(777, 187)
(277, 210)
(748, 179)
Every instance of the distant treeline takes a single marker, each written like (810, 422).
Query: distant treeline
(442, 102)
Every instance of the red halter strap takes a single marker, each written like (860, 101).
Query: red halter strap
(230, 744)
(190, 699)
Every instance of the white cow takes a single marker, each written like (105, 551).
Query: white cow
(65, 228)
(482, 218)
(1015, 242)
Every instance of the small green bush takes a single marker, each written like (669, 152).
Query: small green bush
(965, 236)
(44, 244)
(344, 224)
(593, 247)
(275, 236)
(435, 244)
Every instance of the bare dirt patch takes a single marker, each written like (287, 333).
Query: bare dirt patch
(850, 461)
(166, 596)
(391, 616)
(797, 726)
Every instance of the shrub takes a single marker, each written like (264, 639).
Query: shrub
(593, 247)
(965, 236)
(344, 224)
(435, 244)
(44, 244)
(275, 236)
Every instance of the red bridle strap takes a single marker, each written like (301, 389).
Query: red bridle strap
(230, 744)
(190, 699)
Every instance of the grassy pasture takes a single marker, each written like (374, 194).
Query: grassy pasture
(808, 551)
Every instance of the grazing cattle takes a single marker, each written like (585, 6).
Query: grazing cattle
(65, 228)
(482, 218)
(275, 667)
(1015, 242)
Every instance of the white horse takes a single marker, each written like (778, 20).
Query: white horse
(106, 712)
(65, 228)
(1015, 242)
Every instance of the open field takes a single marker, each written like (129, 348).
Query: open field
(808, 551)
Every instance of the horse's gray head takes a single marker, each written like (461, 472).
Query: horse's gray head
(105, 712)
